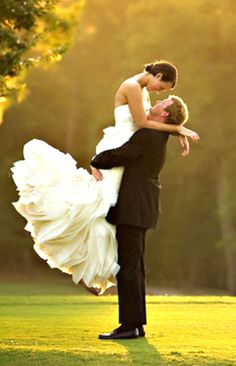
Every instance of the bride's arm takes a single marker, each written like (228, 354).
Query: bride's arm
(134, 97)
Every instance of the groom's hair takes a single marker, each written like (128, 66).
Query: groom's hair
(178, 111)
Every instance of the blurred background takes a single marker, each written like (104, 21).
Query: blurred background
(68, 103)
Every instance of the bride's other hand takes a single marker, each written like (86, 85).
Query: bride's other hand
(188, 133)
(185, 144)
(97, 174)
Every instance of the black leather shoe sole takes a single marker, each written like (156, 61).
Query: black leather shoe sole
(129, 334)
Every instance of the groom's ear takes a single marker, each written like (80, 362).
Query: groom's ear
(165, 114)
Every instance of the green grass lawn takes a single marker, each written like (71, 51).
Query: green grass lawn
(43, 324)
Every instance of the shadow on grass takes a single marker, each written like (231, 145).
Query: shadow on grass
(141, 352)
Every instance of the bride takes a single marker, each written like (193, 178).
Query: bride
(66, 207)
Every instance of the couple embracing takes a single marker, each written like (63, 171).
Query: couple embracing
(94, 229)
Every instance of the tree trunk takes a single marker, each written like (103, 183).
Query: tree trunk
(228, 233)
(230, 255)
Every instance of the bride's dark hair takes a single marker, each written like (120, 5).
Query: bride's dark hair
(168, 70)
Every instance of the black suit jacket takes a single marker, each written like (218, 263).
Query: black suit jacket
(143, 157)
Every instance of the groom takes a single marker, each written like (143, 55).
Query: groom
(137, 210)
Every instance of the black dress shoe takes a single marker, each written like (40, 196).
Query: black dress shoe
(141, 332)
(118, 334)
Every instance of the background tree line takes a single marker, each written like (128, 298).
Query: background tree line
(70, 103)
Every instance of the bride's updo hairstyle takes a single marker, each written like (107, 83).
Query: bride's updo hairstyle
(168, 70)
(178, 111)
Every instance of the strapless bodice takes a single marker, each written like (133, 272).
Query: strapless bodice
(123, 129)
(123, 116)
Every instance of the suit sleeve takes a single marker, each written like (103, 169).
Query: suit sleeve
(143, 142)
(122, 156)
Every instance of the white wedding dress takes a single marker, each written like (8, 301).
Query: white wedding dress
(65, 207)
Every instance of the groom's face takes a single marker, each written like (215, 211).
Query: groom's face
(157, 112)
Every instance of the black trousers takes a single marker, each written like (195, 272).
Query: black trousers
(131, 276)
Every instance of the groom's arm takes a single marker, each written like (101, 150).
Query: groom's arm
(143, 142)
(122, 156)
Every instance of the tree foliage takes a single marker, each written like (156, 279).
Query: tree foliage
(32, 32)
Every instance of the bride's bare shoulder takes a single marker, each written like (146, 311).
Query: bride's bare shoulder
(131, 83)
(129, 87)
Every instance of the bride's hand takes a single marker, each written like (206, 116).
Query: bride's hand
(185, 144)
(96, 173)
(188, 133)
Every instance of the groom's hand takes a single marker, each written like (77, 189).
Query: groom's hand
(96, 173)
(189, 133)
(185, 144)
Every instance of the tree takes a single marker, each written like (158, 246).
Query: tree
(32, 32)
